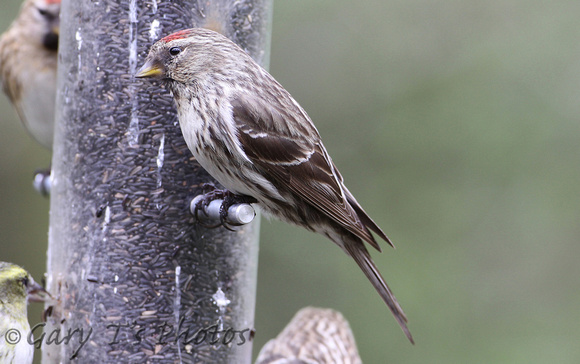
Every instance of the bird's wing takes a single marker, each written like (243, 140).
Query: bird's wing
(292, 155)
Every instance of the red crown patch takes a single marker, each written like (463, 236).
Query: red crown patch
(177, 35)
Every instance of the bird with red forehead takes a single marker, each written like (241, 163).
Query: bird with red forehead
(28, 59)
(249, 133)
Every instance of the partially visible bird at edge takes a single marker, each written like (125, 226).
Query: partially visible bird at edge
(28, 63)
(17, 288)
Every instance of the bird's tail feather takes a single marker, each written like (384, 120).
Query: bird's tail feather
(360, 254)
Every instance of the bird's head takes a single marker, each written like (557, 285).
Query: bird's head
(189, 55)
(45, 21)
(16, 286)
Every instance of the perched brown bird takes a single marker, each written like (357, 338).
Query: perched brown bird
(247, 131)
(315, 335)
(28, 58)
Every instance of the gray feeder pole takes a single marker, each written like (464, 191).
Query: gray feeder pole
(136, 279)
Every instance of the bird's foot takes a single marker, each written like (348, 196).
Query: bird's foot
(228, 200)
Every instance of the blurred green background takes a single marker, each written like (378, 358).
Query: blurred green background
(456, 125)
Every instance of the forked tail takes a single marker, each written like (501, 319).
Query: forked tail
(360, 254)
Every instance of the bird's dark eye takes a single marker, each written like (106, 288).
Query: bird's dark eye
(25, 281)
(174, 51)
(46, 14)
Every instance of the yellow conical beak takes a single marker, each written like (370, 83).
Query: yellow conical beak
(150, 69)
